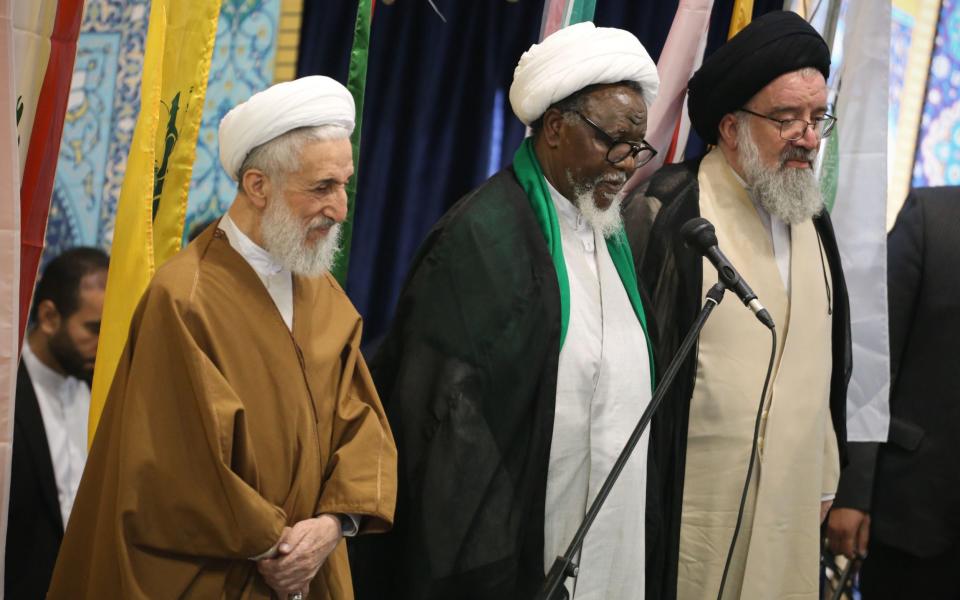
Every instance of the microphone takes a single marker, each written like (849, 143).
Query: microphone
(699, 234)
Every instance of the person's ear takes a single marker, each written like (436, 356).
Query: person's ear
(48, 317)
(553, 124)
(256, 186)
(727, 130)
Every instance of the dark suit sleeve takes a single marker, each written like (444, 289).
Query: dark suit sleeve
(856, 479)
(904, 271)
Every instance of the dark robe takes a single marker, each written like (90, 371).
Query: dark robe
(673, 274)
(468, 374)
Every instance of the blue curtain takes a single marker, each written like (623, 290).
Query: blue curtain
(437, 120)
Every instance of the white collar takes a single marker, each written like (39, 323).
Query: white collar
(43, 376)
(569, 211)
(260, 260)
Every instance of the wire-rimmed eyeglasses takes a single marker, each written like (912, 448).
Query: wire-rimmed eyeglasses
(792, 130)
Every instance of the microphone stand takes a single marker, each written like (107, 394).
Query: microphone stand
(564, 567)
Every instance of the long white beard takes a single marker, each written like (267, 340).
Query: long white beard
(791, 194)
(605, 221)
(285, 238)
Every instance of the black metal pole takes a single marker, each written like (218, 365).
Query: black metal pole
(563, 566)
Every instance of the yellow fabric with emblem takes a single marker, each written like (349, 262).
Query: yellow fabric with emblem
(153, 199)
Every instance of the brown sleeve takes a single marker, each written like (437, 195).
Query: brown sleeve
(176, 428)
(361, 478)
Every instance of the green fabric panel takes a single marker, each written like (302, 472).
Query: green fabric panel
(581, 10)
(357, 84)
(622, 258)
(830, 171)
(527, 168)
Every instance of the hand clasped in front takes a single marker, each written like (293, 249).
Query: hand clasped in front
(302, 549)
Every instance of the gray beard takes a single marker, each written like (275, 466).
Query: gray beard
(606, 221)
(285, 238)
(793, 195)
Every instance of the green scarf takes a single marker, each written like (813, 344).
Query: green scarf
(527, 168)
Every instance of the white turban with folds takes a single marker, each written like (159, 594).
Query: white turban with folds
(573, 58)
(305, 102)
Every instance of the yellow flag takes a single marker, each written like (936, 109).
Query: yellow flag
(153, 199)
(742, 14)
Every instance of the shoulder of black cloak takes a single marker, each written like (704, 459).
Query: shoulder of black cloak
(842, 341)
(672, 273)
(467, 375)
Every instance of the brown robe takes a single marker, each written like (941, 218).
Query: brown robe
(221, 427)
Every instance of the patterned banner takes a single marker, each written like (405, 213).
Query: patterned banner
(153, 199)
(242, 65)
(669, 123)
(557, 14)
(43, 143)
(938, 148)
(103, 105)
(913, 27)
(742, 15)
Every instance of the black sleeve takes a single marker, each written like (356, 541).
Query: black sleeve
(856, 478)
(904, 273)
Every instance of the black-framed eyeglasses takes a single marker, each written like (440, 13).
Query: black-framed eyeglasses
(792, 130)
(620, 150)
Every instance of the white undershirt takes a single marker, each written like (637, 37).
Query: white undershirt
(603, 385)
(277, 280)
(65, 408)
(279, 284)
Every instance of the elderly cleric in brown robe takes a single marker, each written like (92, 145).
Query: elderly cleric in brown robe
(242, 437)
(762, 100)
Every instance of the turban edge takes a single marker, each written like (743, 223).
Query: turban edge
(305, 102)
(776, 43)
(573, 58)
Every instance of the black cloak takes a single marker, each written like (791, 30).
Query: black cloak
(467, 374)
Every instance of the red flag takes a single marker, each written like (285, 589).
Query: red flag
(40, 166)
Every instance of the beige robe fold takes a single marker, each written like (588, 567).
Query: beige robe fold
(221, 427)
(778, 549)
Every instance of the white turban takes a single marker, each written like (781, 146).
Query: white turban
(573, 58)
(305, 102)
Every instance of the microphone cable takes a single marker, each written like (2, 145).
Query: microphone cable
(753, 454)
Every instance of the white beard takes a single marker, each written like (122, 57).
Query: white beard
(606, 221)
(285, 238)
(793, 195)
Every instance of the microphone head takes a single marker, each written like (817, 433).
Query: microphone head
(699, 234)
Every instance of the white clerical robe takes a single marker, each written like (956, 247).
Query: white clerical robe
(603, 386)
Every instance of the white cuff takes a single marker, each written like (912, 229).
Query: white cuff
(349, 525)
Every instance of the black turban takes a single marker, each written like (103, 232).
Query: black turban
(778, 42)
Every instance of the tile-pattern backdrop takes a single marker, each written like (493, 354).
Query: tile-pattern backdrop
(105, 99)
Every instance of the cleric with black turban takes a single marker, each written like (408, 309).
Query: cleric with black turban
(761, 100)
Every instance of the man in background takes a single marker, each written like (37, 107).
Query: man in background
(52, 409)
(899, 508)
